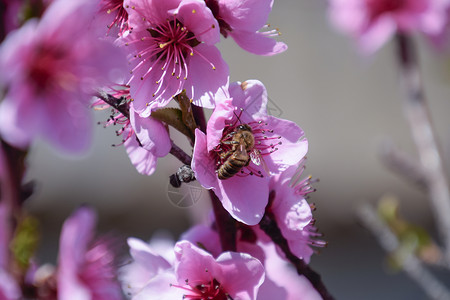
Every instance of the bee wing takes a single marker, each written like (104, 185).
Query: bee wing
(257, 159)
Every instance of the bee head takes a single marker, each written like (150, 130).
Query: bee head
(244, 127)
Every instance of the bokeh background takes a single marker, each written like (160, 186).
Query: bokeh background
(346, 103)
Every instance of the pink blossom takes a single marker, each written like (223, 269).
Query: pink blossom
(145, 139)
(374, 22)
(172, 48)
(281, 282)
(278, 144)
(53, 66)
(292, 212)
(85, 267)
(243, 21)
(195, 274)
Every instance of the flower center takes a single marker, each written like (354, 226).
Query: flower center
(167, 47)
(242, 144)
(379, 7)
(204, 291)
(46, 70)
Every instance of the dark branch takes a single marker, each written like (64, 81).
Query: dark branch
(180, 154)
(117, 103)
(226, 225)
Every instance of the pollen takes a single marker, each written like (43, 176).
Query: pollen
(194, 11)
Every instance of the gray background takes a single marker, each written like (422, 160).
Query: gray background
(347, 104)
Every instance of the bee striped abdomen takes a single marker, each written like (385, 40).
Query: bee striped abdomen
(232, 166)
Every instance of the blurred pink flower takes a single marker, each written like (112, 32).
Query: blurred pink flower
(278, 144)
(53, 68)
(9, 289)
(172, 48)
(373, 22)
(86, 268)
(243, 21)
(194, 274)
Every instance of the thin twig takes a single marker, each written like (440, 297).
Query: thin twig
(270, 227)
(118, 103)
(226, 225)
(180, 154)
(422, 131)
(412, 266)
(404, 165)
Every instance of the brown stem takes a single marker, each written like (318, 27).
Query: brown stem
(226, 225)
(424, 137)
(270, 227)
(118, 103)
(180, 154)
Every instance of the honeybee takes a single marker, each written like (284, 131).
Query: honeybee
(242, 151)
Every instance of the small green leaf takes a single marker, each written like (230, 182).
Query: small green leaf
(25, 241)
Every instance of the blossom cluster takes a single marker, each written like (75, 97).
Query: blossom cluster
(155, 64)
(373, 22)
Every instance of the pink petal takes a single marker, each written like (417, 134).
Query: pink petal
(245, 198)
(221, 115)
(204, 236)
(377, 35)
(143, 160)
(207, 81)
(202, 164)
(242, 275)
(251, 95)
(67, 123)
(160, 288)
(9, 289)
(291, 211)
(249, 15)
(10, 113)
(151, 133)
(156, 11)
(199, 20)
(194, 264)
(76, 233)
(293, 146)
(258, 43)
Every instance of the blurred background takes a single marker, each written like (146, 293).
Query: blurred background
(347, 105)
